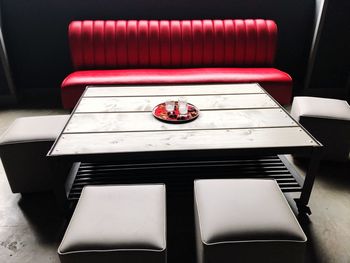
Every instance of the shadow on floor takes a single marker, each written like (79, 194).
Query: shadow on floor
(43, 216)
(330, 200)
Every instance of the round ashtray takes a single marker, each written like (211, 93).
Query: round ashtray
(162, 114)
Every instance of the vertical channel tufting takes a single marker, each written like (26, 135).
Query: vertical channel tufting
(208, 42)
(99, 43)
(87, 43)
(229, 32)
(240, 42)
(251, 44)
(75, 43)
(186, 43)
(154, 45)
(132, 46)
(262, 36)
(197, 35)
(143, 39)
(176, 52)
(272, 41)
(219, 43)
(164, 30)
(122, 45)
(110, 44)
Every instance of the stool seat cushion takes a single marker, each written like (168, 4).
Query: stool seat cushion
(230, 211)
(245, 220)
(23, 149)
(116, 218)
(33, 129)
(320, 108)
(328, 120)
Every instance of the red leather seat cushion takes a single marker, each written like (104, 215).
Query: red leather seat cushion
(276, 82)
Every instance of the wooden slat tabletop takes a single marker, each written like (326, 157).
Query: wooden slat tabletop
(144, 121)
(119, 119)
(181, 140)
(147, 103)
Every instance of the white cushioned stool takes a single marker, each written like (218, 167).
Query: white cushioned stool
(23, 149)
(117, 223)
(329, 121)
(245, 220)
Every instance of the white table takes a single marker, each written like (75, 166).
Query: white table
(112, 123)
(112, 137)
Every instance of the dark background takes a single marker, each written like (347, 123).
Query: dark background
(331, 68)
(35, 33)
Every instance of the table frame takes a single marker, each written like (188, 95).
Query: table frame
(62, 163)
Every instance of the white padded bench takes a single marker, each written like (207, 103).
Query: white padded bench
(117, 223)
(23, 149)
(245, 220)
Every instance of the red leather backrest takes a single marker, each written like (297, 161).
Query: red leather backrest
(187, 43)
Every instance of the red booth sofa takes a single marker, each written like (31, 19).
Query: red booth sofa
(174, 52)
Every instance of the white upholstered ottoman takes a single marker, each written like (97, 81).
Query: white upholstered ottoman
(329, 121)
(23, 149)
(117, 223)
(245, 220)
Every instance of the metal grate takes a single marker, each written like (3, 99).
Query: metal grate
(179, 176)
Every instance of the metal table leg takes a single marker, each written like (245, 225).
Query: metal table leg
(310, 175)
(60, 170)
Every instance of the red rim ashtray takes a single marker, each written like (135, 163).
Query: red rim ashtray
(160, 113)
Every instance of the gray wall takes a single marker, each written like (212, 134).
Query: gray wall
(329, 67)
(320, 7)
(7, 91)
(35, 32)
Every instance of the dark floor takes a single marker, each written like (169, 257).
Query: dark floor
(31, 228)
